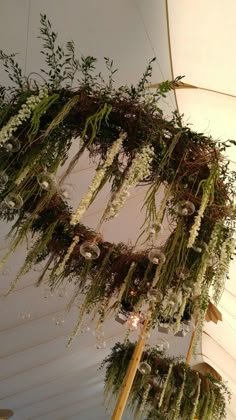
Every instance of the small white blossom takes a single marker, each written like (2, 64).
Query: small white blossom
(198, 218)
(179, 399)
(24, 113)
(100, 173)
(193, 415)
(139, 169)
(227, 250)
(165, 385)
(207, 256)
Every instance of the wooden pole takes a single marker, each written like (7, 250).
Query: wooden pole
(190, 349)
(130, 375)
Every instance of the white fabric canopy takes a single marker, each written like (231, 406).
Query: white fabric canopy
(38, 378)
(202, 38)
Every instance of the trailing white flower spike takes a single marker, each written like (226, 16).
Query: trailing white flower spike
(24, 114)
(100, 173)
(139, 169)
(208, 191)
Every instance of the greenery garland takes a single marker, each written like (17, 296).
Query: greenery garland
(125, 130)
(165, 388)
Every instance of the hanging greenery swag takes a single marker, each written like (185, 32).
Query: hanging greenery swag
(126, 132)
(164, 388)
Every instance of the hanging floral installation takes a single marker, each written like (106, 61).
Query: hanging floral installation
(165, 388)
(125, 131)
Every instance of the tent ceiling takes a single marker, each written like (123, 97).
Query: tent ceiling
(39, 378)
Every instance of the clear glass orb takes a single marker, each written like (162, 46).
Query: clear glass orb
(185, 208)
(162, 345)
(14, 201)
(45, 181)
(66, 192)
(100, 345)
(99, 335)
(47, 293)
(84, 329)
(6, 271)
(12, 145)
(62, 292)
(25, 316)
(156, 256)
(58, 319)
(156, 229)
(3, 179)
(144, 368)
(199, 246)
(90, 251)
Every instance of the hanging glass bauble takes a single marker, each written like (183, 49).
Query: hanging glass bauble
(144, 368)
(25, 316)
(156, 256)
(58, 319)
(98, 334)
(185, 208)
(162, 345)
(12, 145)
(156, 229)
(47, 293)
(62, 292)
(3, 180)
(66, 192)
(100, 345)
(14, 201)
(45, 181)
(89, 250)
(6, 271)
(199, 246)
(84, 328)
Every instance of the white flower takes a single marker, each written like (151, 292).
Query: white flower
(165, 385)
(23, 114)
(100, 173)
(207, 256)
(179, 399)
(139, 169)
(227, 250)
(209, 186)
(193, 415)
(61, 266)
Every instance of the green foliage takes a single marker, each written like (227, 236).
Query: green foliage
(54, 54)
(162, 401)
(94, 115)
(13, 71)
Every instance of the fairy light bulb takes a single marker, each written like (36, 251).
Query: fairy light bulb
(134, 321)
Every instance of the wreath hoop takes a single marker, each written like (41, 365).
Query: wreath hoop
(134, 144)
